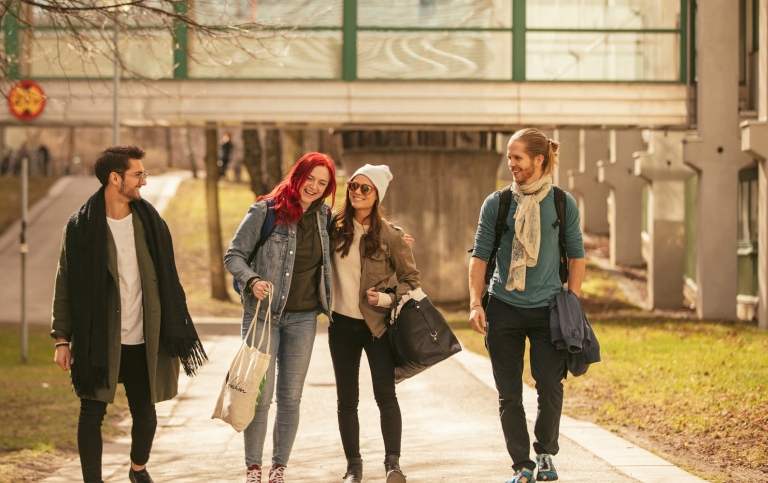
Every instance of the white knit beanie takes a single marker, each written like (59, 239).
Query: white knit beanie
(379, 175)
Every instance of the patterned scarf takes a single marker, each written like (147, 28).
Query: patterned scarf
(525, 244)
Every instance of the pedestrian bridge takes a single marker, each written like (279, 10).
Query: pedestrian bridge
(493, 106)
(370, 64)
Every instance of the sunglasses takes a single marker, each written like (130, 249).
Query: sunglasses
(365, 189)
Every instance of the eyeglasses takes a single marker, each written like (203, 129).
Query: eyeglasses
(141, 176)
(365, 189)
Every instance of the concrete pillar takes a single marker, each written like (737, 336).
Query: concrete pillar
(716, 154)
(435, 196)
(661, 166)
(568, 157)
(584, 185)
(754, 141)
(625, 197)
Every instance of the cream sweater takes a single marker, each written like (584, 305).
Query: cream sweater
(345, 277)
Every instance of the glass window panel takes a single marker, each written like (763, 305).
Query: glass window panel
(434, 55)
(566, 56)
(305, 13)
(146, 54)
(268, 55)
(601, 14)
(144, 13)
(435, 13)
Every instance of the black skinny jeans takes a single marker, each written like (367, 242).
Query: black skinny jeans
(347, 337)
(134, 375)
(508, 326)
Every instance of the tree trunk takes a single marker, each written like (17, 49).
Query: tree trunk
(293, 148)
(272, 172)
(252, 154)
(191, 152)
(216, 250)
(169, 147)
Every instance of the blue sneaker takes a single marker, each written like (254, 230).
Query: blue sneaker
(522, 476)
(545, 468)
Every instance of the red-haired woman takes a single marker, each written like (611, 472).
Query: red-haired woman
(295, 260)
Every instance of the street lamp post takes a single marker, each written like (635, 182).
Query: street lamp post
(116, 88)
(24, 248)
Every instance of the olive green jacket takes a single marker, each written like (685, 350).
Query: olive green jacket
(394, 257)
(163, 369)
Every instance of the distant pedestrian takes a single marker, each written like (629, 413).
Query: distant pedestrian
(525, 281)
(295, 260)
(367, 252)
(44, 158)
(119, 310)
(226, 153)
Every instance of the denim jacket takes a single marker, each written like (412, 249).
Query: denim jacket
(274, 262)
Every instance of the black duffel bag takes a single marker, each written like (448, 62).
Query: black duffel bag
(420, 338)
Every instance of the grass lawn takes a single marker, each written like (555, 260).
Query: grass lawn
(10, 197)
(39, 410)
(693, 392)
(186, 218)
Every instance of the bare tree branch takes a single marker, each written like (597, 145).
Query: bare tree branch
(76, 38)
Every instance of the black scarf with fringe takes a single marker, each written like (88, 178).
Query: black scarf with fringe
(87, 279)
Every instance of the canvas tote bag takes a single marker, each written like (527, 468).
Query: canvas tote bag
(244, 382)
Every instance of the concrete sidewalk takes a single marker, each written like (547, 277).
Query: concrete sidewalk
(451, 430)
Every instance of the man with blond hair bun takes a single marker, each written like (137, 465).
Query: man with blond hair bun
(525, 281)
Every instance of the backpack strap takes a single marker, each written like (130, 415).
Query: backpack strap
(560, 208)
(266, 229)
(505, 200)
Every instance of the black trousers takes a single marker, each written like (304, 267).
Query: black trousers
(347, 338)
(134, 375)
(507, 329)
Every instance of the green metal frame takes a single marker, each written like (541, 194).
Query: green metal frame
(755, 26)
(519, 30)
(349, 41)
(684, 41)
(11, 34)
(180, 43)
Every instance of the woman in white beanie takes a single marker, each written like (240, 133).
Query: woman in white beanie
(367, 251)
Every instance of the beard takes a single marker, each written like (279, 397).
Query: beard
(132, 194)
(524, 175)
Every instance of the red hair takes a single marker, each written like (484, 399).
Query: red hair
(286, 193)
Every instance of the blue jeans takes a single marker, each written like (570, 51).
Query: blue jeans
(291, 349)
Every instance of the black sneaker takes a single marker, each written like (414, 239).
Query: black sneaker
(140, 476)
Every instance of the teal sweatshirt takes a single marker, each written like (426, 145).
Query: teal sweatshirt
(542, 282)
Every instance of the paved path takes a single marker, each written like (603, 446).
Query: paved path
(451, 428)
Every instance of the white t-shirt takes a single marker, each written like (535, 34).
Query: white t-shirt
(131, 297)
